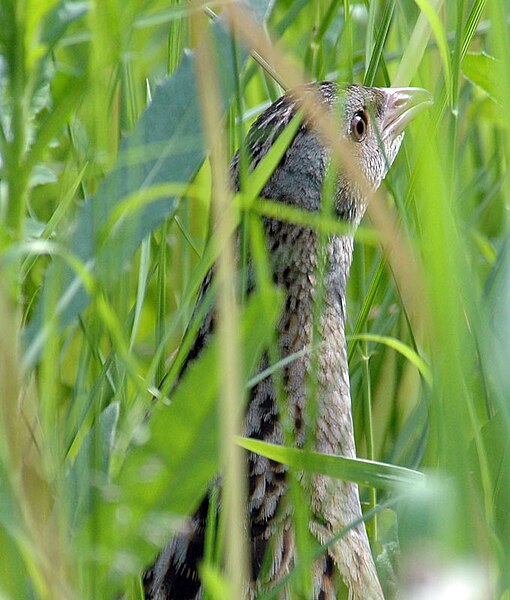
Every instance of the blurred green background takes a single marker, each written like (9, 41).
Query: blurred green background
(104, 221)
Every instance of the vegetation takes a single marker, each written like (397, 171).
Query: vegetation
(104, 240)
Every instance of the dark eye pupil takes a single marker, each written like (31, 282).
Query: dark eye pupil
(359, 126)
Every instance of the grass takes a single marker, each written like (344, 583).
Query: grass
(104, 240)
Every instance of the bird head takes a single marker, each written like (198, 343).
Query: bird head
(374, 120)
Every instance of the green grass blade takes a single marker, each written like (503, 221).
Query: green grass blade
(363, 472)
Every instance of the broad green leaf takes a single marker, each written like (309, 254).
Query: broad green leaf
(358, 470)
(482, 70)
(166, 146)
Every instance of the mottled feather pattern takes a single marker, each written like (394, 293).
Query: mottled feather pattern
(297, 261)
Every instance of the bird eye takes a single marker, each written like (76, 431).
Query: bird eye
(359, 125)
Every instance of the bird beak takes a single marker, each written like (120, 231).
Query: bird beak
(403, 104)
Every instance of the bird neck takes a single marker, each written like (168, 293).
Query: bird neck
(314, 278)
(310, 270)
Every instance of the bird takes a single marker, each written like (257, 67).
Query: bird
(371, 124)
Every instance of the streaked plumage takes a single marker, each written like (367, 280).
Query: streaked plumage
(295, 257)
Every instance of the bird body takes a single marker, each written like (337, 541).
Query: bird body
(372, 124)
